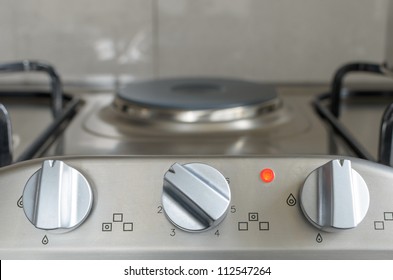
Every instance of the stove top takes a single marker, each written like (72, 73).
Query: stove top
(291, 128)
(123, 174)
(205, 116)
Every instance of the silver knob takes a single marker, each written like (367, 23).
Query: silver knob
(57, 197)
(196, 196)
(335, 197)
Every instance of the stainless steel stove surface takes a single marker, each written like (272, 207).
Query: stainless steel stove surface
(262, 176)
(289, 126)
(103, 130)
(196, 208)
(269, 120)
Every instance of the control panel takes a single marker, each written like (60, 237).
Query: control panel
(196, 208)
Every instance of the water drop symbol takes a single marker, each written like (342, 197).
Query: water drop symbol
(45, 240)
(319, 238)
(291, 200)
(20, 202)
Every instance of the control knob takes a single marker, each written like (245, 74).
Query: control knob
(57, 197)
(195, 197)
(335, 197)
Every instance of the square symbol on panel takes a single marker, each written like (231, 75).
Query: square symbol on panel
(106, 226)
(264, 226)
(118, 217)
(388, 216)
(379, 225)
(253, 217)
(128, 226)
(242, 226)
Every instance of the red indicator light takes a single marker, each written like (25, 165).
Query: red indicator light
(267, 175)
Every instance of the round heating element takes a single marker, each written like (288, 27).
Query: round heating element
(195, 100)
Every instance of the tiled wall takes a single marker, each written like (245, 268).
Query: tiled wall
(280, 40)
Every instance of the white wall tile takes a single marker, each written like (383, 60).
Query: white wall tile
(389, 37)
(7, 38)
(281, 40)
(84, 39)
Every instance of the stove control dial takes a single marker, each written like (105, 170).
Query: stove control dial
(196, 196)
(57, 197)
(335, 197)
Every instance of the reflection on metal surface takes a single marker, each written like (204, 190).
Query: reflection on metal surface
(107, 117)
(195, 100)
(286, 130)
(133, 111)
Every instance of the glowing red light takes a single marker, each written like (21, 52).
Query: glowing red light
(267, 175)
